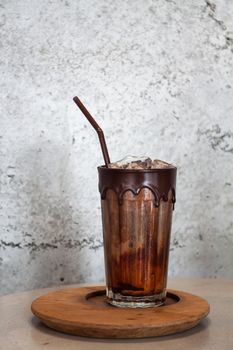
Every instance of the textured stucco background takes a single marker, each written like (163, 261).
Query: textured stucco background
(158, 76)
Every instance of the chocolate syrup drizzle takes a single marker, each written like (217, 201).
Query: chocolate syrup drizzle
(159, 181)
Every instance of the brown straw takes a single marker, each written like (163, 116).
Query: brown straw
(97, 129)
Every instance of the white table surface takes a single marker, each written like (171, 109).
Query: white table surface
(19, 329)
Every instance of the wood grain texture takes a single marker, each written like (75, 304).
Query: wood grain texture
(84, 311)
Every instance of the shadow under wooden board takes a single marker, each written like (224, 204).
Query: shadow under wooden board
(85, 312)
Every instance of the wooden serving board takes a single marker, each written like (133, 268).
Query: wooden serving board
(85, 312)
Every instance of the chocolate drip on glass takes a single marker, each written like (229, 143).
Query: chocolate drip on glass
(159, 181)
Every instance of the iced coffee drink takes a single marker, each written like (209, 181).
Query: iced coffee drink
(137, 201)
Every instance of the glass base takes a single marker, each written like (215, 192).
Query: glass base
(119, 300)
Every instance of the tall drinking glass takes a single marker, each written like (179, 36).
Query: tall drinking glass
(137, 208)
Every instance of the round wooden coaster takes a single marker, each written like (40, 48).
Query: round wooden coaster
(85, 312)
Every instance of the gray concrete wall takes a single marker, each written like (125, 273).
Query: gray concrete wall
(158, 76)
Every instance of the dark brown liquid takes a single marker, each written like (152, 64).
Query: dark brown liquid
(136, 242)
